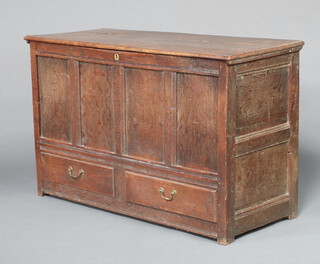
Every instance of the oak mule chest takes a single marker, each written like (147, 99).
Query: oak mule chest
(195, 132)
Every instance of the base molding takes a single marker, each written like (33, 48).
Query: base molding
(196, 226)
(261, 215)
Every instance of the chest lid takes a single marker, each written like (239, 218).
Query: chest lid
(179, 44)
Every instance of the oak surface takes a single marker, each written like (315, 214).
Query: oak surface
(118, 115)
(97, 92)
(193, 45)
(53, 92)
(144, 190)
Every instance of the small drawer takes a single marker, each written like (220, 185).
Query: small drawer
(82, 175)
(171, 196)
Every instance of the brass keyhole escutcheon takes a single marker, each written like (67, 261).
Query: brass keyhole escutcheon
(116, 56)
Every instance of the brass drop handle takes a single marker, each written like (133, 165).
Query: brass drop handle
(173, 193)
(70, 171)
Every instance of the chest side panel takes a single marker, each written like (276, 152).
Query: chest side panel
(263, 134)
(262, 99)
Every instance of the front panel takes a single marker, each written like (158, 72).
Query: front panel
(196, 102)
(144, 115)
(104, 121)
(54, 91)
(96, 83)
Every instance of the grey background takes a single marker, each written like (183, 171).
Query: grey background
(51, 230)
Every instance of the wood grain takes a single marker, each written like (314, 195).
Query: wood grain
(36, 113)
(262, 139)
(144, 190)
(145, 109)
(55, 109)
(214, 118)
(226, 124)
(182, 222)
(197, 178)
(293, 146)
(258, 65)
(191, 45)
(261, 217)
(261, 175)
(261, 99)
(97, 106)
(196, 122)
(144, 60)
(96, 178)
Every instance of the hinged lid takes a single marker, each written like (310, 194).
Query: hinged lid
(179, 44)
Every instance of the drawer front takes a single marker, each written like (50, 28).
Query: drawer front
(174, 197)
(82, 175)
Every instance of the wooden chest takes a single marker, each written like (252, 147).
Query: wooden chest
(195, 132)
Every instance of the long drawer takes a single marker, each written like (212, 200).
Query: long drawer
(171, 196)
(82, 175)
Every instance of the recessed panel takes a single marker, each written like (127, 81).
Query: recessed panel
(82, 175)
(97, 106)
(176, 197)
(261, 176)
(54, 90)
(196, 122)
(261, 99)
(144, 114)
